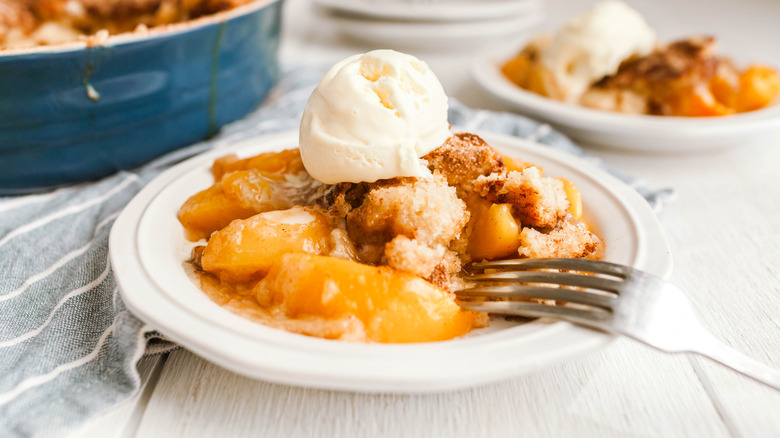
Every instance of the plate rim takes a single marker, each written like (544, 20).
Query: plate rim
(126, 262)
(432, 34)
(435, 12)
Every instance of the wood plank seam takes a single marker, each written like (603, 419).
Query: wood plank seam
(728, 421)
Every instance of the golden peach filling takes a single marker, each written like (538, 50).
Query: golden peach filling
(393, 306)
(373, 262)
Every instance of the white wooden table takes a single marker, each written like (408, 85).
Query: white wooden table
(724, 229)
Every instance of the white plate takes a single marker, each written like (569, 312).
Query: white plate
(431, 34)
(453, 10)
(147, 248)
(625, 131)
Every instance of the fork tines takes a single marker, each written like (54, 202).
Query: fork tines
(537, 287)
(579, 265)
(556, 278)
(528, 292)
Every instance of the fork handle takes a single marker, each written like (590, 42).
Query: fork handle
(719, 352)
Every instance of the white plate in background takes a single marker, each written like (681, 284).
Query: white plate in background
(625, 131)
(147, 250)
(443, 10)
(430, 34)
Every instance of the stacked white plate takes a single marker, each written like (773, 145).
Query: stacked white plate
(432, 23)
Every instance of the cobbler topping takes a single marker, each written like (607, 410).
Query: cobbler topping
(462, 159)
(537, 201)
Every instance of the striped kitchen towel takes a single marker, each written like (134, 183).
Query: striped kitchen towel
(68, 345)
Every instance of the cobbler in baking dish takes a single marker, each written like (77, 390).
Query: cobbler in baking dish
(28, 23)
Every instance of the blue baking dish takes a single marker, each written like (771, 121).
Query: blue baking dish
(80, 111)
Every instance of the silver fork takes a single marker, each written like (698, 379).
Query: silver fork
(609, 297)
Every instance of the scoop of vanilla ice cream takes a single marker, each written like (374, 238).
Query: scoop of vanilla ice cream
(372, 117)
(593, 45)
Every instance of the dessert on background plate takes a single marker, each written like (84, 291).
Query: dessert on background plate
(362, 233)
(610, 59)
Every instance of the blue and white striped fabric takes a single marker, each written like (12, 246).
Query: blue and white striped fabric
(68, 345)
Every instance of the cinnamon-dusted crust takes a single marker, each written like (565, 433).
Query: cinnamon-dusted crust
(668, 68)
(536, 200)
(570, 239)
(423, 226)
(427, 211)
(462, 159)
(666, 71)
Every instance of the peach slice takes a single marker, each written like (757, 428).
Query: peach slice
(495, 234)
(208, 211)
(246, 249)
(394, 306)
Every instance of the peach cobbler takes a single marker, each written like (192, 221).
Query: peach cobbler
(609, 59)
(373, 259)
(27, 23)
